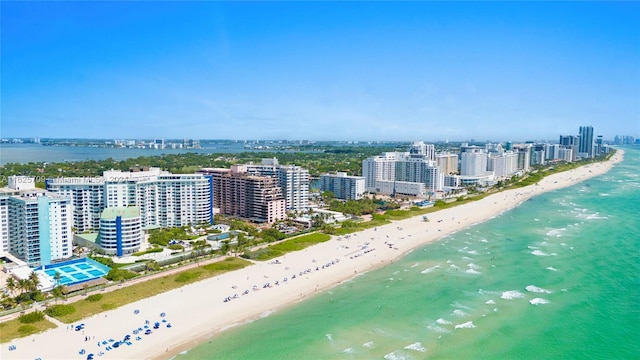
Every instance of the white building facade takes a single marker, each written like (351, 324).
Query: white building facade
(343, 186)
(38, 227)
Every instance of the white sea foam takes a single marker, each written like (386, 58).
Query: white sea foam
(538, 301)
(442, 321)
(489, 302)
(551, 268)
(511, 294)
(438, 329)
(467, 325)
(539, 253)
(348, 351)
(329, 337)
(472, 252)
(397, 355)
(532, 288)
(484, 240)
(431, 269)
(556, 232)
(472, 271)
(417, 346)
(604, 194)
(414, 265)
(474, 266)
(458, 312)
(368, 344)
(267, 313)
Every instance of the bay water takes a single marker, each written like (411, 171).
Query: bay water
(556, 278)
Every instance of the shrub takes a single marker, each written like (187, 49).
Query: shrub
(119, 274)
(176, 247)
(60, 310)
(31, 317)
(94, 298)
(103, 260)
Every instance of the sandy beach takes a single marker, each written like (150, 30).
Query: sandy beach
(198, 311)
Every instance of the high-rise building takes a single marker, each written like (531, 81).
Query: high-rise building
(120, 230)
(448, 163)
(164, 199)
(474, 163)
(38, 223)
(421, 150)
(572, 142)
(238, 193)
(343, 186)
(382, 167)
(585, 147)
(294, 181)
(87, 197)
(503, 165)
(419, 170)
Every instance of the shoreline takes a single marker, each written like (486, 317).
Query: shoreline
(197, 311)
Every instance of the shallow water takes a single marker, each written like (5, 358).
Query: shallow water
(557, 277)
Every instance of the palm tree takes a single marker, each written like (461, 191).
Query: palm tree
(57, 277)
(57, 293)
(34, 281)
(8, 302)
(11, 285)
(24, 285)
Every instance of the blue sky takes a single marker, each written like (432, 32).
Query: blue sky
(319, 70)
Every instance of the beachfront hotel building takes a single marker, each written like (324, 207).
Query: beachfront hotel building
(503, 165)
(570, 141)
(379, 168)
(388, 173)
(164, 199)
(293, 180)
(120, 230)
(419, 170)
(448, 163)
(236, 192)
(36, 223)
(343, 186)
(473, 163)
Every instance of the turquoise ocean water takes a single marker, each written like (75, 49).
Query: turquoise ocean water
(556, 278)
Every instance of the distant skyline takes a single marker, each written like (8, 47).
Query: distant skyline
(319, 70)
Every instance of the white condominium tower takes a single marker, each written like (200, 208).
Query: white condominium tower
(343, 186)
(38, 226)
(87, 197)
(381, 167)
(164, 199)
(474, 163)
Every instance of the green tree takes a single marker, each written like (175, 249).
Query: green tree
(11, 285)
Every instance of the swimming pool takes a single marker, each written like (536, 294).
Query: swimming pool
(75, 271)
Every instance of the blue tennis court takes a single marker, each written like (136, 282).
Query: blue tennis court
(75, 271)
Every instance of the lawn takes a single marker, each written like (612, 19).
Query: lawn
(14, 329)
(129, 294)
(293, 244)
(359, 226)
